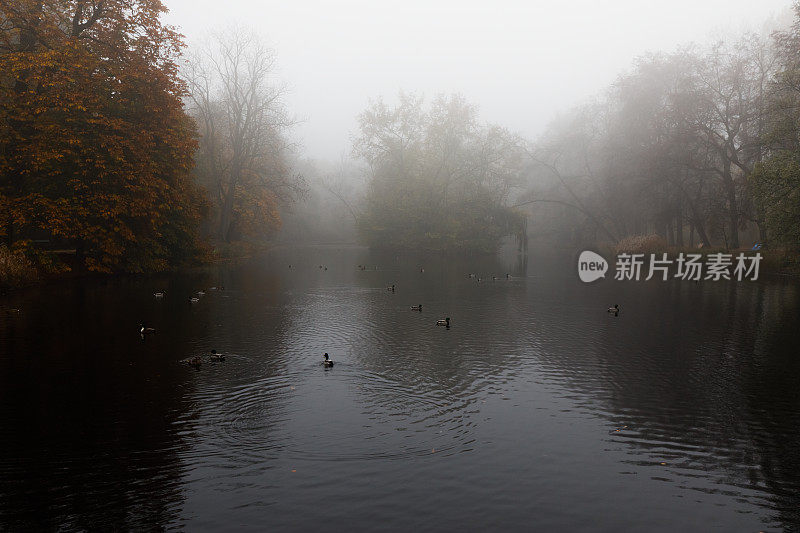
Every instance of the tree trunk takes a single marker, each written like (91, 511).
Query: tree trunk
(762, 231)
(697, 222)
(701, 232)
(670, 234)
(730, 189)
(226, 215)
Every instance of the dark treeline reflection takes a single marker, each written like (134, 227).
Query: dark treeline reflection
(88, 439)
(98, 424)
(680, 413)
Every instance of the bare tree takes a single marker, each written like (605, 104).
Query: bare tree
(673, 142)
(243, 125)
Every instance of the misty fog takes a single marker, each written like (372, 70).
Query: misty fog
(521, 62)
(399, 266)
(524, 67)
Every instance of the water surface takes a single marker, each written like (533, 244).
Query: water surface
(536, 410)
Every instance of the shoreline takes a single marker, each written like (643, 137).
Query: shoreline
(774, 262)
(29, 275)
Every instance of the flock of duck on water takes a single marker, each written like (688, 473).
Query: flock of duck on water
(194, 361)
(197, 360)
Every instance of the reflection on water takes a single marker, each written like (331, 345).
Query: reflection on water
(535, 410)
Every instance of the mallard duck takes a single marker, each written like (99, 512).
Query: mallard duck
(390, 288)
(144, 330)
(158, 295)
(194, 300)
(416, 307)
(327, 363)
(443, 322)
(217, 356)
(614, 309)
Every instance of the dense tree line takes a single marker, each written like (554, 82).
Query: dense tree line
(696, 146)
(114, 145)
(438, 178)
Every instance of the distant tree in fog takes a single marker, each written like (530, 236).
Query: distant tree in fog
(439, 179)
(776, 179)
(243, 154)
(331, 204)
(669, 148)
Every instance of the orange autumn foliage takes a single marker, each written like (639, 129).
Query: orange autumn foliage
(95, 147)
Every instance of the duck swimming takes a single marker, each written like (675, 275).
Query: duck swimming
(443, 322)
(416, 307)
(390, 288)
(158, 294)
(327, 363)
(193, 300)
(614, 309)
(217, 356)
(144, 330)
(195, 361)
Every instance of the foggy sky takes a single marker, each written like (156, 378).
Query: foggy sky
(521, 62)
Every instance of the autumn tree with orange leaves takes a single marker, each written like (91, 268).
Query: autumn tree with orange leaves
(95, 148)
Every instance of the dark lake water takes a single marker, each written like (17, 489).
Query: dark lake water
(536, 410)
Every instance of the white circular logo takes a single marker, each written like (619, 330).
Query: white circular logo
(591, 266)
